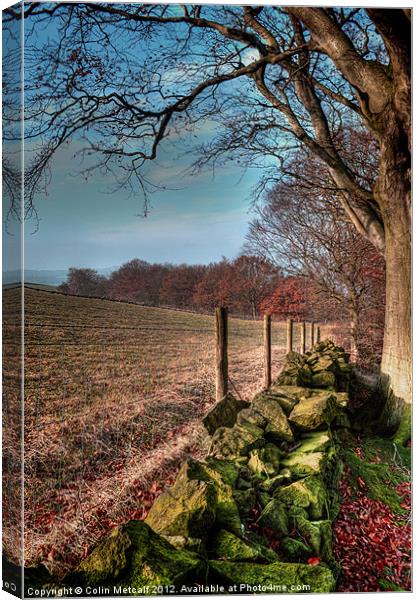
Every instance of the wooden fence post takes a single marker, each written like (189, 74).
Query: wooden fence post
(221, 329)
(289, 340)
(318, 334)
(312, 334)
(267, 350)
(302, 338)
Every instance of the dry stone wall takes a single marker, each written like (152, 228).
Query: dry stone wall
(256, 514)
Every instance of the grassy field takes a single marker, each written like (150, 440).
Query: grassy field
(113, 395)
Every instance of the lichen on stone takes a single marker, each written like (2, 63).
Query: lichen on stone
(284, 576)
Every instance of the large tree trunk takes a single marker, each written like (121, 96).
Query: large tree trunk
(396, 368)
(394, 196)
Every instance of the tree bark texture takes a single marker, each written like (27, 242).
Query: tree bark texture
(393, 190)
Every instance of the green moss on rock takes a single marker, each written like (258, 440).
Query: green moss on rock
(287, 401)
(277, 427)
(186, 543)
(295, 550)
(302, 464)
(322, 363)
(198, 499)
(245, 501)
(271, 484)
(227, 546)
(316, 441)
(223, 414)
(296, 392)
(135, 555)
(187, 509)
(341, 399)
(275, 577)
(324, 379)
(274, 516)
(314, 412)
(236, 441)
(265, 461)
(309, 493)
(108, 560)
(229, 470)
(249, 415)
(316, 534)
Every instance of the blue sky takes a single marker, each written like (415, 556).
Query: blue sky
(197, 220)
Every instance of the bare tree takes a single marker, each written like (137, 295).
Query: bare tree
(307, 234)
(84, 282)
(256, 278)
(125, 78)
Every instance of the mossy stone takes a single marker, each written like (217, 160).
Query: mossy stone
(226, 511)
(184, 543)
(324, 363)
(224, 413)
(272, 454)
(263, 498)
(341, 420)
(135, 555)
(271, 484)
(266, 460)
(277, 427)
(316, 534)
(245, 501)
(108, 560)
(324, 379)
(309, 493)
(227, 546)
(287, 404)
(296, 358)
(286, 401)
(314, 412)
(294, 391)
(198, 499)
(274, 517)
(188, 508)
(276, 577)
(302, 464)
(229, 470)
(341, 399)
(316, 441)
(295, 549)
(305, 375)
(249, 415)
(231, 442)
(289, 378)
(243, 484)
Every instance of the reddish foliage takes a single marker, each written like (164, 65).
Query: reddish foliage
(371, 542)
(293, 297)
(241, 284)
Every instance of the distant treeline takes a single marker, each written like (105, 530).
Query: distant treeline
(248, 285)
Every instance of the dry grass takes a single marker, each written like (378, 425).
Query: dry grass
(113, 397)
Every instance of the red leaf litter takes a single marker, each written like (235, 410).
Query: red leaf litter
(371, 542)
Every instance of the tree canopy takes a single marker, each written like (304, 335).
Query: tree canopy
(121, 79)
